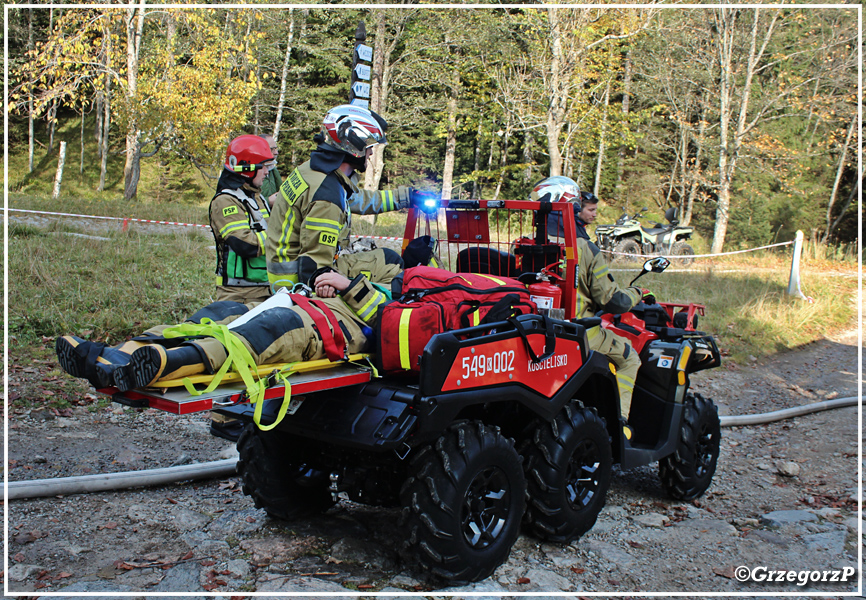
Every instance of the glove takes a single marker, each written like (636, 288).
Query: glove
(428, 202)
(647, 296)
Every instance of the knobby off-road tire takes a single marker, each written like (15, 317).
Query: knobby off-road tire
(279, 484)
(627, 246)
(688, 472)
(683, 253)
(463, 502)
(568, 469)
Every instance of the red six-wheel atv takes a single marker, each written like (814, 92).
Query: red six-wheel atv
(502, 423)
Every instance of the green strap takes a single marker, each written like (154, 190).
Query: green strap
(239, 360)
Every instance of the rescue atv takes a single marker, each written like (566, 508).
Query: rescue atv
(628, 236)
(497, 424)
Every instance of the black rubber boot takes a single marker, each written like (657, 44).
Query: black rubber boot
(94, 361)
(152, 362)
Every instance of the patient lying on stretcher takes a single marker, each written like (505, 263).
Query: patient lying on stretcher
(284, 329)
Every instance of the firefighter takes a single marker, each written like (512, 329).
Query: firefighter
(312, 219)
(238, 218)
(597, 291)
(271, 185)
(283, 329)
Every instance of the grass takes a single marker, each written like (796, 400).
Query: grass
(61, 282)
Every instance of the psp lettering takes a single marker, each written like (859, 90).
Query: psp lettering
(555, 361)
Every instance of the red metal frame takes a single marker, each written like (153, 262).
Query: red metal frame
(179, 402)
(466, 224)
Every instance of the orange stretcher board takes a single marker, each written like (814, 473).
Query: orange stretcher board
(177, 400)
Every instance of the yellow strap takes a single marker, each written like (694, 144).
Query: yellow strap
(264, 371)
(238, 358)
(403, 338)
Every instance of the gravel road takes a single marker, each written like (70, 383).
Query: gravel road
(784, 497)
(207, 535)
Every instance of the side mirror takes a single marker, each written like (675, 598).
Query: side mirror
(657, 264)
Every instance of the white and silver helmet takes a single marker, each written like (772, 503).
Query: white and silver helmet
(352, 129)
(557, 189)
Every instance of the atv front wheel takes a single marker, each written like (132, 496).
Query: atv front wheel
(688, 472)
(684, 252)
(276, 479)
(463, 502)
(627, 246)
(568, 470)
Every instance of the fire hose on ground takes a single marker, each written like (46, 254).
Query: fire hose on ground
(38, 488)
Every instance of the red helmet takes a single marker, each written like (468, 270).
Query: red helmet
(247, 154)
(353, 129)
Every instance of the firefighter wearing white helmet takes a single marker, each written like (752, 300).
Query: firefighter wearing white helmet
(310, 223)
(597, 290)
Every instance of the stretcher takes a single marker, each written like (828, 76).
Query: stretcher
(174, 395)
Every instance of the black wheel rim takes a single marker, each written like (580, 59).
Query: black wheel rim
(486, 507)
(705, 450)
(582, 476)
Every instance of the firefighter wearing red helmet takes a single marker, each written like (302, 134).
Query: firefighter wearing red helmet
(312, 219)
(238, 218)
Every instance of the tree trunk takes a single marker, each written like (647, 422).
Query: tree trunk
(839, 170)
(52, 122)
(696, 171)
(626, 99)
(598, 165)
(106, 108)
(730, 149)
(477, 163)
(503, 161)
(132, 168)
(30, 133)
(555, 107)
(81, 163)
(58, 177)
(284, 75)
(451, 139)
(378, 91)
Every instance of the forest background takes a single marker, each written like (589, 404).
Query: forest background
(746, 118)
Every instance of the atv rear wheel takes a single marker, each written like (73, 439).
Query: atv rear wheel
(568, 469)
(685, 251)
(627, 246)
(283, 486)
(688, 472)
(463, 502)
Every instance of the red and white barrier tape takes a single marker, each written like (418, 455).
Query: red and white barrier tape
(126, 220)
(375, 237)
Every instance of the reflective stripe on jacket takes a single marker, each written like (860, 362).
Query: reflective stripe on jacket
(312, 221)
(238, 219)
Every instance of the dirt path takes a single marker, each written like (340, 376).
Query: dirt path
(208, 536)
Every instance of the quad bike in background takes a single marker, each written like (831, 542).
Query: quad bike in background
(628, 236)
(503, 424)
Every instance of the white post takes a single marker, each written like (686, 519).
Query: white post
(59, 176)
(794, 279)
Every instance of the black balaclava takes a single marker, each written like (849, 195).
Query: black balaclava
(327, 159)
(229, 180)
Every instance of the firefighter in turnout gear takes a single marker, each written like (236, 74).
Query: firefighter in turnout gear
(597, 290)
(312, 219)
(238, 218)
(286, 328)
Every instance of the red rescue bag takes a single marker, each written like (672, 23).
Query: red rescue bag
(434, 300)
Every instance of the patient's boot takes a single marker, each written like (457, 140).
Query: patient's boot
(95, 361)
(152, 362)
